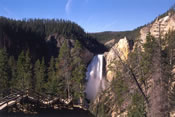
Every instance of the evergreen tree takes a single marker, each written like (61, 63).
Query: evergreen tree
(4, 76)
(147, 55)
(39, 75)
(64, 70)
(43, 69)
(28, 70)
(78, 72)
(24, 71)
(52, 83)
(20, 72)
(119, 87)
(137, 108)
(13, 73)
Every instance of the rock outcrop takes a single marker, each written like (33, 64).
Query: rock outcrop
(119, 49)
(110, 43)
(57, 40)
(107, 99)
(159, 27)
(154, 88)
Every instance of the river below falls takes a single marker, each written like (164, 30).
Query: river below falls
(51, 113)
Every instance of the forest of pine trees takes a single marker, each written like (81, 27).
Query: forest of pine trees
(31, 59)
(153, 66)
(33, 34)
(63, 76)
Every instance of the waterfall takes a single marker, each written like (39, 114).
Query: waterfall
(94, 77)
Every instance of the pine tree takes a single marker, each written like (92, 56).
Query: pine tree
(13, 73)
(24, 71)
(20, 71)
(78, 72)
(119, 87)
(39, 76)
(147, 55)
(43, 69)
(137, 108)
(63, 69)
(28, 70)
(52, 83)
(4, 76)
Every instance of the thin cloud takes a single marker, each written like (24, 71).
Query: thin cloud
(68, 6)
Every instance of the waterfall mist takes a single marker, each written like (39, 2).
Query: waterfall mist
(94, 75)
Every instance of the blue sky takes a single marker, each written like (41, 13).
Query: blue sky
(91, 15)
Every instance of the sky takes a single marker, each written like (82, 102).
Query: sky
(91, 15)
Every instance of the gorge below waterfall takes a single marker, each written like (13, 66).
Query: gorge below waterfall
(94, 77)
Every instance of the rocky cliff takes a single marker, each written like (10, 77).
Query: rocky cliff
(153, 80)
(119, 49)
(106, 101)
(159, 27)
(158, 92)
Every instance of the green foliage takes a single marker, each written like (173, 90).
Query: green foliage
(78, 72)
(101, 111)
(4, 69)
(63, 68)
(24, 71)
(20, 72)
(43, 69)
(147, 55)
(28, 70)
(65, 75)
(168, 63)
(40, 36)
(39, 76)
(103, 37)
(51, 86)
(137, 107)
(119, 87)
(12, 72)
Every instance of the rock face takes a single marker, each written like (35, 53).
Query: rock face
(158, 98)
(157, 93)
(159, 27)
(122, 49)
(110, 43)
(107, 98)
(57, 40)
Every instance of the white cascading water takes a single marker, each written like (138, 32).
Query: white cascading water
(94, 75)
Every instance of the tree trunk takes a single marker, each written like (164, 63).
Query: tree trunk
(158, 97)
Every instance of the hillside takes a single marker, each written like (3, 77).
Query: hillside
(34, 34)
(103, 37)
(112, 74)
(141, 81)
(46, 56)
